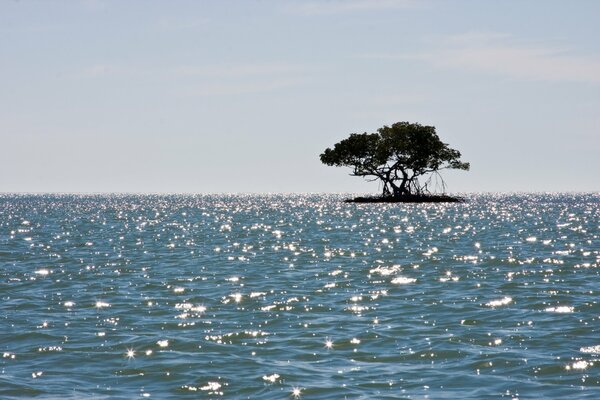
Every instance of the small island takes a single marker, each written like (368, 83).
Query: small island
(406, 158)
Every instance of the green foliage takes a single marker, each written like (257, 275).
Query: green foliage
(398, 155)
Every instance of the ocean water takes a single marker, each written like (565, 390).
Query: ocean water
(299, 296)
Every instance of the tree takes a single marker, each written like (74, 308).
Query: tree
(398, 155)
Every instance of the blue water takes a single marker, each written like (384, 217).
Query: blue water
(276, 297)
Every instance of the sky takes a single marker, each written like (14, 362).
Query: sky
(243, 96)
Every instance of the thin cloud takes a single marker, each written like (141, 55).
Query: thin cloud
(395, 100)
(107, 70)
(498, 54)
(344, 6)
(239, 70)
(99, 70)
(236, 79)
(524, 63)
(231, 89)
(212, 80)
(93, 5)
(182, 24)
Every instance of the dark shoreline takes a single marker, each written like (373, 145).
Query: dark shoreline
(407, 199)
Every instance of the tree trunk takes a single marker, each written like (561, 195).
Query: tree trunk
(386, 190)
(395, 189)
(404, 188)
(387, 181)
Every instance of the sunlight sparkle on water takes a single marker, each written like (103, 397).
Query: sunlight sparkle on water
(500, 302)
(212, 388)
(42, 272)
(402, 280)
(271, 378)
(561, 309)
(237, 297)
(459, 290)
(385, 271)
(591, 349)
(581, 364)
(130, 353)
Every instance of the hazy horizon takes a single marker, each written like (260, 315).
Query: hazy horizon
(374, 193)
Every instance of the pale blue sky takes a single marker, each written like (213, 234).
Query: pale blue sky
(243, 96)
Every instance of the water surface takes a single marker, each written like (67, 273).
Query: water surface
(304, 296)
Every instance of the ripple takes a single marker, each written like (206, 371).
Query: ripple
(271, 378)
(402, 280)
(251, 296)
(591, 349)
(500, 302)
(560, 309)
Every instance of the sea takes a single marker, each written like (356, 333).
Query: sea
(299, 297)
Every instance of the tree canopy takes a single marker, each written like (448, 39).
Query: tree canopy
(398, 155)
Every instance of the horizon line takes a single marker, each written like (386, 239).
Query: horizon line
(86, 193)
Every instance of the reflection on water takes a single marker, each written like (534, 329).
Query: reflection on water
(299, 296)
